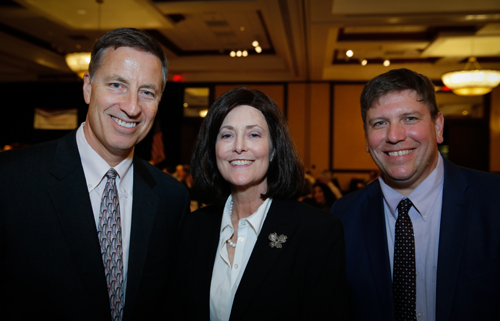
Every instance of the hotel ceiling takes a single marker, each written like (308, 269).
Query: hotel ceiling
(302, 40)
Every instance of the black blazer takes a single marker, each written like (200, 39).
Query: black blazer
(50, 260)
(468, 275)
(304, 280)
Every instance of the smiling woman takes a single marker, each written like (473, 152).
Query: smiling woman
(255, 238)
(242, 150)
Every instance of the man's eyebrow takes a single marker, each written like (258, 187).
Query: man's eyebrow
(377, 118)
(116, 78)
(411, 113)
(149, 86)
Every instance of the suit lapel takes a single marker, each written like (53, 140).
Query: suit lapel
(144, 208)
(375, 235)
(280, 221)
(73, 207)
(451, 239)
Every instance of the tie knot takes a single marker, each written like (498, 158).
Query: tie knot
(404, 205)
(111, 173)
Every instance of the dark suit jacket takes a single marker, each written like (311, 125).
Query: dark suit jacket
(50, 258)
(304, 280)
(468, 275)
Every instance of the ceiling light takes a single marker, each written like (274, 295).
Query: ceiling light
(471, 82)
(203, 113)
(364, 62)
(239, 53)
(255, 43)
(78, 62)
(258, 49)
(349, 53)
(387, 63)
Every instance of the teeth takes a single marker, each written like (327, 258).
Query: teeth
(400, 153)
(124, 124)
(241, 162)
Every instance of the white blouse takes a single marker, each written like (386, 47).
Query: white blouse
(226, 278)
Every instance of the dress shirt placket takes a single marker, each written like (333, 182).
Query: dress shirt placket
(243, 227)
(226, 235)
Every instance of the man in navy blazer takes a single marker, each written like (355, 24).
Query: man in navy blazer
(455, 212)
(51, 258)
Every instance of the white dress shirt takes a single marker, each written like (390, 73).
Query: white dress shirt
(95, 168)
(425, 216)
(226, 278)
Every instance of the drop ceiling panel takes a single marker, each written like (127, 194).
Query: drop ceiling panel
(464, 46)
(218, 31)
(83, 14)
(360, 7)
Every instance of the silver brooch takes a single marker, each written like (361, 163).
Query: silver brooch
(277, 241)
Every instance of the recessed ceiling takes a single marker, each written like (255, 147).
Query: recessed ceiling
(302, 40)
(460, 46)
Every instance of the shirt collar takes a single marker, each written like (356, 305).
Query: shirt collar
(255, 220)
(95, 167)
(421, 195)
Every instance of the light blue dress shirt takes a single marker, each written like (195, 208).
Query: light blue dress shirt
(425, 216)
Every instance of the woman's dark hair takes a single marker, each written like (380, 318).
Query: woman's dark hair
(285, 173)
(127, 37)
(398, 80)
(327, 192)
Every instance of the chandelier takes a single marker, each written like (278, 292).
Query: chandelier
(471, 81)
(78, 62)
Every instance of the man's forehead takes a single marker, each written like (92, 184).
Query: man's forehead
(406, 104)
(117, 61)
(113, 51)
(410, 93)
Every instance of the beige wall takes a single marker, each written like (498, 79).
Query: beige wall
(348, 133)
(320, 128)
(495, 131)
(299, 119)
(309, 122)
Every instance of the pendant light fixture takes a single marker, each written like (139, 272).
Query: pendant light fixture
(78, 62)
(472, 81)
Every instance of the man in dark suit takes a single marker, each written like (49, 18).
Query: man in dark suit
(423, 241)
(87, 229)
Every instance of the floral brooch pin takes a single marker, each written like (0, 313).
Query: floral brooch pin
(277, 241)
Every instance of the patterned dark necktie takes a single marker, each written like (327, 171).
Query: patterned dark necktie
(110, 237)
(403, 279)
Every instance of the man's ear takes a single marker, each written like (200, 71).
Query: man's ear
(87, 88)
(366, 141)
(439, 124)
